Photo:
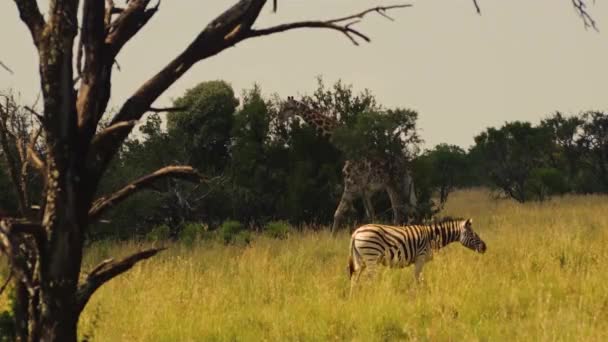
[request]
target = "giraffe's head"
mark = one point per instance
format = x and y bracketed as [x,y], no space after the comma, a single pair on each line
[290,108]
[469,238]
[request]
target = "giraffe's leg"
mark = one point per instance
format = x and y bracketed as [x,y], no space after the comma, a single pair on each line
[369,207]
[345,203]
[397,205]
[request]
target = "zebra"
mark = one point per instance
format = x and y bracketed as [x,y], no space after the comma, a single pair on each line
[399,247]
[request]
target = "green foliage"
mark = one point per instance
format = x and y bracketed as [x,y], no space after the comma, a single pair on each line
[594,140]
[511,153]
[546,181]
[159,233]
[232,231]
[263,168]
[204,127]
[378,134]
[341,100]
[441,169]
[278,229]
[192,232]
[8,328]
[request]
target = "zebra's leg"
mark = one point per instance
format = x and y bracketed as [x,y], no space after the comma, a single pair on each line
[369,207]
[354,279]
[420,260]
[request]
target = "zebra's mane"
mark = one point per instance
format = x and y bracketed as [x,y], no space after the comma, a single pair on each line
[445,219]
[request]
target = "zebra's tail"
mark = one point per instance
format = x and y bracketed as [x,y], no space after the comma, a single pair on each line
[351,266]
[351,257]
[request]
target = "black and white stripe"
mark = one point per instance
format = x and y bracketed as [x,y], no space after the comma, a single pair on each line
[392,246]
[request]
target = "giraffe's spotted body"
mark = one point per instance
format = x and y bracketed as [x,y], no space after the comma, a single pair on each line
[362,178]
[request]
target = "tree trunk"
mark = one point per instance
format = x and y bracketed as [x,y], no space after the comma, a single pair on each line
[59,325]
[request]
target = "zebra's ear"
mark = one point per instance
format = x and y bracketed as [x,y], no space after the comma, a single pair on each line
[469,222]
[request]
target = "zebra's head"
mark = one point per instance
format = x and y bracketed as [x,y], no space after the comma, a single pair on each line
[290,108]
[470,239]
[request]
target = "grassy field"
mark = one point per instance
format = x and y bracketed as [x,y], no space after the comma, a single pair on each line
[543,278]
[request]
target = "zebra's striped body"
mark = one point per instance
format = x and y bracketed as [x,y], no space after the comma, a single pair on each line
[374,244]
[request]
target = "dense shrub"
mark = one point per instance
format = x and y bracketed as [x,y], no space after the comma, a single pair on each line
[277,229]
[159,233]
[233,232]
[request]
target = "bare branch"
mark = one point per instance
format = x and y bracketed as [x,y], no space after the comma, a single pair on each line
[343,24]
[6,68]
[231,27]
[167,109]
[31,16]
[104,203]
[111,132]
[107,270]
[128,23]
[14,162]
[477,8]
[581,8]
[36,114]
[7,281]
[31,154]
[23,226]
[11,240]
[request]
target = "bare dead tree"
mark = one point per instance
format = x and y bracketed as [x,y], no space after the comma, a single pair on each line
[45,247]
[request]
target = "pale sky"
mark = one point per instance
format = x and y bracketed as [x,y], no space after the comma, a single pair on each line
[520,60]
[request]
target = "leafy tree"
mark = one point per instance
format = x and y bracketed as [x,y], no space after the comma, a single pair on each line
[205,124]
[446,168]
[511,154]
[566,154]
[379,134]
[341,101]
[594,140]
[250,175]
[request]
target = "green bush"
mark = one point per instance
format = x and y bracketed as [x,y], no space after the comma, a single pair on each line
[229,230]
[159,233]
[191,232]
[277,229]
[233,232]
[244,237]
[8,328]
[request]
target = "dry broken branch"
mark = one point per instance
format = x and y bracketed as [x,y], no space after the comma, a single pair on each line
[6,68]
[343,24]
[228,29]
[7,281]
[477,8]
[581,8]
[104,203]
[167,109]
[107,270]
[12,239]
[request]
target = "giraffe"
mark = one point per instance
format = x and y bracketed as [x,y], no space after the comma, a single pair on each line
[362,178]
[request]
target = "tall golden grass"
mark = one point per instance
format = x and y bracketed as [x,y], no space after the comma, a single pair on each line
[543,278]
